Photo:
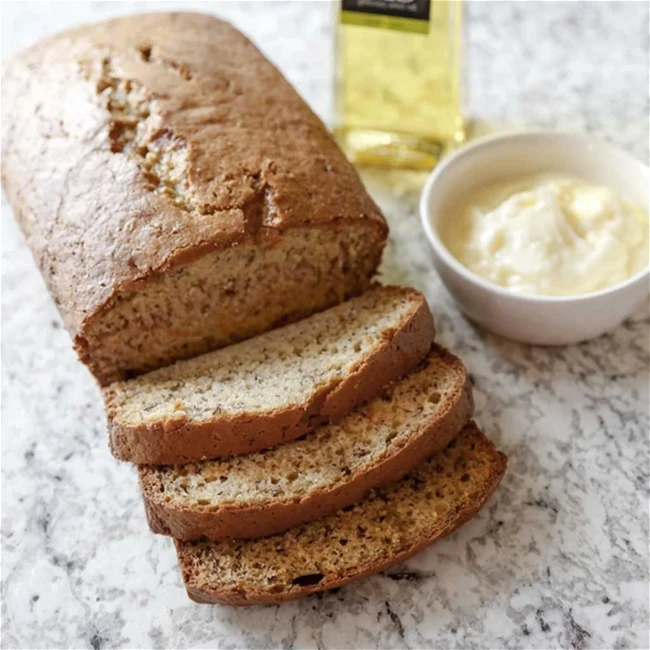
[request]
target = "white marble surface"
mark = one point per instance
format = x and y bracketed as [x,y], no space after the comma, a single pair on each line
[558,558]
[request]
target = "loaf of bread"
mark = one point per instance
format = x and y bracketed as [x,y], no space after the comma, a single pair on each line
[272,388]
[268,492]
[387,527]
[176,192]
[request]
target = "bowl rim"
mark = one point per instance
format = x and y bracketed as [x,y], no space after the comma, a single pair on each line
[585,139]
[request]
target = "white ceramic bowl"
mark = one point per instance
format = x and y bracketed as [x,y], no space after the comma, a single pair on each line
[541,320]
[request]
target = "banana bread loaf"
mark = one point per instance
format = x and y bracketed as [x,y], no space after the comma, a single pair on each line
[176,192]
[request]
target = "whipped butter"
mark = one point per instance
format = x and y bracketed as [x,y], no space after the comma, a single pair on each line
[549,235]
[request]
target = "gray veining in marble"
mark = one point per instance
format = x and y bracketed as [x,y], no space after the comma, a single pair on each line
[559,556]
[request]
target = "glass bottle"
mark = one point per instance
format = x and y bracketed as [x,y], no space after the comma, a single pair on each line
[397,94]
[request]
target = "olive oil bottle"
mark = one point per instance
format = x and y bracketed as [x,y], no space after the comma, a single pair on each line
[397,91]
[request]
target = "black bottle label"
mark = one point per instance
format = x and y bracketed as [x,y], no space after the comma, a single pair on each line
[404,15]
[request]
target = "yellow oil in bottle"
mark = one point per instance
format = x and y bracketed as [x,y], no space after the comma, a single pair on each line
[398,79]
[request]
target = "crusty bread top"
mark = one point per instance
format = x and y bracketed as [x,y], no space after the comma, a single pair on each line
[269,373]
[388,525]
[138,144]
[325,460]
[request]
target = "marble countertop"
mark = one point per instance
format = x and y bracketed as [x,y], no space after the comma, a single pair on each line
[559,556]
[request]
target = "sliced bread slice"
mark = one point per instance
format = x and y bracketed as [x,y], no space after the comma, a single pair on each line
[273,388]
[389,526]
[269,492]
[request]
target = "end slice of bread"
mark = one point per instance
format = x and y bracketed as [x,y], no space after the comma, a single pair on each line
[273,388]
[387,527]
[269,492]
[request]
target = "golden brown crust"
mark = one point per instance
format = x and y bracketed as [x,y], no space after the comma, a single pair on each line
[244,595]
[104,211]
[238,520]
[184,441]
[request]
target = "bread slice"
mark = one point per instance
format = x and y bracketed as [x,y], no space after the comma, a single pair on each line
[389,526]
[269,492]
[273,388]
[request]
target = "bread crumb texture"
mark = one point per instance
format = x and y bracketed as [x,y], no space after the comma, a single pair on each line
[332,455]
[228,296]
[285,367]
[389,524]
